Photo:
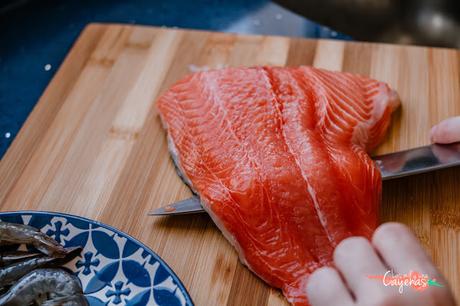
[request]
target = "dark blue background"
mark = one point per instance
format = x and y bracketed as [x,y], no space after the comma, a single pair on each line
[36,35]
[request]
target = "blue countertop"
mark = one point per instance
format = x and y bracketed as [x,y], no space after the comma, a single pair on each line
[36,35]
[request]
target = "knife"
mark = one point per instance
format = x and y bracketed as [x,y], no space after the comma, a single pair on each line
[392,165]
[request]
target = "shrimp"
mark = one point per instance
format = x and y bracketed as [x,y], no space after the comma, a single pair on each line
[43,285]
[7,258]
[24,234]
[75,300]
[10,274]
[15,271]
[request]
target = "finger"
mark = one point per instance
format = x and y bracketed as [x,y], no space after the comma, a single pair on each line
[325,287]
[446,131]
[357,260]
[401,250]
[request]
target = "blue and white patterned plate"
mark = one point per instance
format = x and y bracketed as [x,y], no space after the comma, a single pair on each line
[115,269]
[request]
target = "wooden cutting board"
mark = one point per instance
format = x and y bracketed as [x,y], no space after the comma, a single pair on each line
[94,146]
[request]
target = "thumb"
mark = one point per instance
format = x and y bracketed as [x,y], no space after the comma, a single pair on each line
[447,131]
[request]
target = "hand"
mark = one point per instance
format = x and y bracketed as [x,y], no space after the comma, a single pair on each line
[393,247]
[447,131]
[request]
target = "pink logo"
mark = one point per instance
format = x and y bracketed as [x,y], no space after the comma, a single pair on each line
[413,279]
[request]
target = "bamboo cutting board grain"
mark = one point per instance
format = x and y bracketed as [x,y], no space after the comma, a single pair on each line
[94,146]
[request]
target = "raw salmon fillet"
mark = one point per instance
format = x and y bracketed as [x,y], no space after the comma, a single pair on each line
[278,159]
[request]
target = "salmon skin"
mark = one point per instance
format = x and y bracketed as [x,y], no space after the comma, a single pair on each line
[278,157]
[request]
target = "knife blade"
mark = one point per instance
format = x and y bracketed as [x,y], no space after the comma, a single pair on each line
[393,165]
[191,205]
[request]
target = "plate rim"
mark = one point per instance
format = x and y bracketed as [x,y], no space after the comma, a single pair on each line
[188,298]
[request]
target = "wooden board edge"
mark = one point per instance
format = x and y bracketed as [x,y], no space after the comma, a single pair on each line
[351,42]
